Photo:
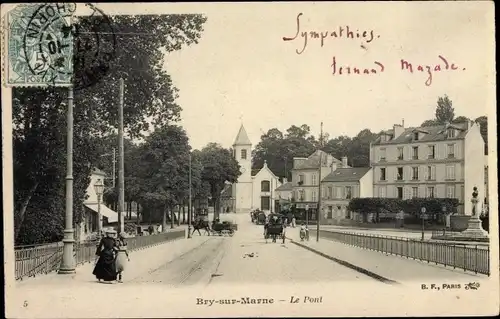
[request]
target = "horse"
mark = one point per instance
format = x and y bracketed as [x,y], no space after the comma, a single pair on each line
[201,224]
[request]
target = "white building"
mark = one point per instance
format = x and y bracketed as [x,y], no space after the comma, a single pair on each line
[254,188]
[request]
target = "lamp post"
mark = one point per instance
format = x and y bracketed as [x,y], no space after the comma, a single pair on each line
[423,210]
[190,199]
[68,263]
[99,190]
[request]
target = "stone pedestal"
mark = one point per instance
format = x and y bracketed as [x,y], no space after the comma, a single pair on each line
[474,226]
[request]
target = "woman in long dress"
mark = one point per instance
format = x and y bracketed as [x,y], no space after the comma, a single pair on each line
[122,255]
[105,268]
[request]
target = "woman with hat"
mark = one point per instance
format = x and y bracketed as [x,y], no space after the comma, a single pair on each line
[105,268]
[122,253]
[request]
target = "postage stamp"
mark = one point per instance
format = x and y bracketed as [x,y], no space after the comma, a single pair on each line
[49,46]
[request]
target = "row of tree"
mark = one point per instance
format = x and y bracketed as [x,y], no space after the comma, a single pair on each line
[279,149]
[39,122]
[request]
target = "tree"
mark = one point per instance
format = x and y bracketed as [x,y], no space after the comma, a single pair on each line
[444,110]
[461,119]
[483,126]
[429,123]
[40,125]
[219,166]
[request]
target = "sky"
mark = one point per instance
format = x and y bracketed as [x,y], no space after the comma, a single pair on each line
[242,72]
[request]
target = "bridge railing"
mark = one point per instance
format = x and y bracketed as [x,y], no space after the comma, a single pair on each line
[41,259]
[471,257]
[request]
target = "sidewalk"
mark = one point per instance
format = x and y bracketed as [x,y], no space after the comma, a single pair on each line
[141,262]
[395,268]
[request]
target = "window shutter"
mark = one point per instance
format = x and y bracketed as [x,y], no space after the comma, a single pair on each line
[421,173]
[433,172]
[458,150]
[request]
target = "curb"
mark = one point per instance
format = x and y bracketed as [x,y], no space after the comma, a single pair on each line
[347,264]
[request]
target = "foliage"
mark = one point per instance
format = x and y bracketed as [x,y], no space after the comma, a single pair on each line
[394,205]
[39,123]
[444,110]
[219,167]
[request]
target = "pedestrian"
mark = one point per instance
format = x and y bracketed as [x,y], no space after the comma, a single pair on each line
[151,229]
[105,267]
[159,228]
[293,221]
[122,253]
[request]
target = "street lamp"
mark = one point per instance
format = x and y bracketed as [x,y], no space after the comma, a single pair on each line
[423,210]
[99,190]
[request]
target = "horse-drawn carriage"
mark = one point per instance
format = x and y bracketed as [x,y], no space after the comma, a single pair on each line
[275,228]
[258,217]
[223,228]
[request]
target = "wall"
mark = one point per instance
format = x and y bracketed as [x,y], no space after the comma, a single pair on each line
[243,195]
[473,167]
[366,185]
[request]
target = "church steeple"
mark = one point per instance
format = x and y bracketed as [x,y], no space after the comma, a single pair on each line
[242,137]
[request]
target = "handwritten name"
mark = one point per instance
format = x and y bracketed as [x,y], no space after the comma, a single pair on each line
[340,32]
[441,65]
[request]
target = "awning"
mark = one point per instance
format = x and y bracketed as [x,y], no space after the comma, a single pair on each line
[111,215]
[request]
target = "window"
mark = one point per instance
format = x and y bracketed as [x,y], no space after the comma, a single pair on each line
[429,173]
[381,192]
[382,154]
[265,186]
[414,173]
[450,191]
[400,153]
[451,150]
[323,192]
[314,179]
[451,133]
[348,190]
[415,136]
[314,196]
[243,154]
[414,192]
[450,172]
[382,174]
[400,174]
[415,152]
[430,192]
[330,192]
[330,212]
[301,195]
[301,179]
[400,192]
[339,192]
[432,152]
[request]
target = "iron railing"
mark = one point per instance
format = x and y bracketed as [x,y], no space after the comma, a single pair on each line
[42,259]
[470,257]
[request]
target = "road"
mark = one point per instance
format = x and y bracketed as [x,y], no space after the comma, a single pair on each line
[246,257]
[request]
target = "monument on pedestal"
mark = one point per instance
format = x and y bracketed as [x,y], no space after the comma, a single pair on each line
[475,229]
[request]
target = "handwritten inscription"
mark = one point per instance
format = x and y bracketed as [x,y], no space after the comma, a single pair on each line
[345,32]
[343,68]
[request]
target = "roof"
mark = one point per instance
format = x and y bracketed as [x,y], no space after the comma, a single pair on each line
[255,171]
[285,187]
[97,171]
[227,191]
[312,162]
[242,137]
[430,134]
[351,174]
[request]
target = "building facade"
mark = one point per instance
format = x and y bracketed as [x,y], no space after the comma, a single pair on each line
[284,194]
[442,161]
[255,187]
[337,190]
[306,179]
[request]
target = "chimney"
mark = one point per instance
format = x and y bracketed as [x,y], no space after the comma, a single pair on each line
[334,166]
[344,161]
[285,180]
[398,130]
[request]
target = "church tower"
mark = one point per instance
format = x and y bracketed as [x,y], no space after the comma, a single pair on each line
[242,190]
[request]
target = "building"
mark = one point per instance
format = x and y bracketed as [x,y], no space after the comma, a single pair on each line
[442,161]
[284,194]
[90,219]
[339,187]
[305,179]
[254,188]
